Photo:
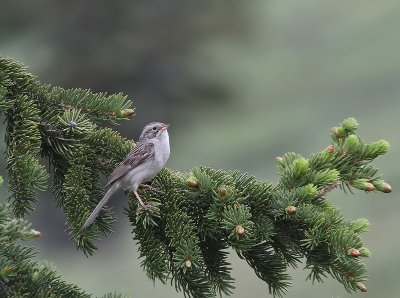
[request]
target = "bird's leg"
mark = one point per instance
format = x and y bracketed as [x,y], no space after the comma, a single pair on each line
[139,199]
[150,188]
[145,207]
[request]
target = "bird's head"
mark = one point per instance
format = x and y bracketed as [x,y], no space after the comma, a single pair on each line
[153,130]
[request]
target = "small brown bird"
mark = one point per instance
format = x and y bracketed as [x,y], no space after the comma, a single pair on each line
[142,164]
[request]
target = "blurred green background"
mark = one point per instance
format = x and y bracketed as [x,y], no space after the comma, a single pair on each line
[241,82]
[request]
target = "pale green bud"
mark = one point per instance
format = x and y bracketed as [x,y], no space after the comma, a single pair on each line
[300,167]
[381,147]
[382,186]
[352,143]
[372,150]
[335,133]
[360,225]
[363,184]
[308,191]
[35,276]
[341,132]
[365,252]
[331,176]
[350,125]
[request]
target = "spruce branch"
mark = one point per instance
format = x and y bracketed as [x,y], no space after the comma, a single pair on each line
[201,214]
[126,112]
[20,274]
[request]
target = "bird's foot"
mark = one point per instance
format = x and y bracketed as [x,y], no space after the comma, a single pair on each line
[146,207]
[145,186]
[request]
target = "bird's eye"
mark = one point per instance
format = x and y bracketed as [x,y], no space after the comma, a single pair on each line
[154,128]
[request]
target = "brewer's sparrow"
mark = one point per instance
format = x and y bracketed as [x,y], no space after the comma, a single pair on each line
[142,164]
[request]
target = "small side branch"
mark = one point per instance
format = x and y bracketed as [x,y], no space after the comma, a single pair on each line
[326,189]
[349,277]
[359,285]
[127,112]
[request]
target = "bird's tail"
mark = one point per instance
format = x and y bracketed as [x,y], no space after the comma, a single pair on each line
[100,205]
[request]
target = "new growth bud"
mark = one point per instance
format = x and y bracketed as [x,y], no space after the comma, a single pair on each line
[35,276]
[300,167]
[239,230]
[290,210]
[335,132]
[128,112]
[341,131]
[192,183]
[373,150]
[382,186]
[352,144]
[387,188]
[5,271]
[30,234]
[308,191]
[330,149]
[365,252]
[350,125]
[328,177]
[369,186]
[278,158]
[360,225]
[36,233]
[361,287]
[188,263]
[363,184]
[354,252]
[382,147]
[222,192]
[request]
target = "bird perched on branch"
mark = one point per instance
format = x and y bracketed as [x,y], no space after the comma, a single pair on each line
[142,164]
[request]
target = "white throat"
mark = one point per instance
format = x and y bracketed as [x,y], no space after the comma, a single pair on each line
[162,147]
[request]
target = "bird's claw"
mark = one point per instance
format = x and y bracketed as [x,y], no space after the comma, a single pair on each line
[153,189]
[146,207]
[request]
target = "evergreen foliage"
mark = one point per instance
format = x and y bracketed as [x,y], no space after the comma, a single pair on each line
[20,275]
[202,213]
[63,127]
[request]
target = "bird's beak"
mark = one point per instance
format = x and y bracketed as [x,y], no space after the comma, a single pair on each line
[165,126]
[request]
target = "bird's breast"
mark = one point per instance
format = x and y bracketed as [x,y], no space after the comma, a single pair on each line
[162,150]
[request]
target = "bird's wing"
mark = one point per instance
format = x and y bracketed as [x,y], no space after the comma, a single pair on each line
[139,154]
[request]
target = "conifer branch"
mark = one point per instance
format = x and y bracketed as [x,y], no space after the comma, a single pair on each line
[20,274]
[126,112]
[201,213]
